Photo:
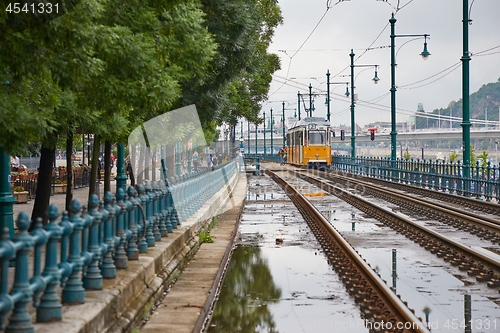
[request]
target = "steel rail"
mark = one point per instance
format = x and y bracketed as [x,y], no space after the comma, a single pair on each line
[481,265]
[484,206]
[355,271]
[443,210]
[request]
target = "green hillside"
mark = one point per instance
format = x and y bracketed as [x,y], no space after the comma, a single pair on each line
[484,104]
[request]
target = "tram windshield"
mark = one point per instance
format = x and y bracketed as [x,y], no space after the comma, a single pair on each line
[317,138]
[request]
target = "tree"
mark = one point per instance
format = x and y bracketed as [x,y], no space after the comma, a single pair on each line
[454,156]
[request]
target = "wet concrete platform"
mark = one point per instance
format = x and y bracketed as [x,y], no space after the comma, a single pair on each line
[186,305]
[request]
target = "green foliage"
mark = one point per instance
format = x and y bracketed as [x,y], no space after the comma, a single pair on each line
[483,157]
[205,237]
[406,156]
[106,69]
[485,100]
[454,156]
[472,156]
[18,189]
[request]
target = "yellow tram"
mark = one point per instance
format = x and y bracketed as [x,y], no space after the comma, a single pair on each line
[309,143]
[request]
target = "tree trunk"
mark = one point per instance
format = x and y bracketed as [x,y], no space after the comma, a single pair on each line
[107,166]
[93,165]
[42,198]
[69,170]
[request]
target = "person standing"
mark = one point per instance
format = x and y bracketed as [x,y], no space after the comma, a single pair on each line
[15,163]
[281,155]
[195,161]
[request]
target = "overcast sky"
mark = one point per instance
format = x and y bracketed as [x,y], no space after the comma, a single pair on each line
[363,24]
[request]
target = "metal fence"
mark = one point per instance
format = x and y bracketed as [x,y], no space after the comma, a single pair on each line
[483,181]
[81,178]
[93,243]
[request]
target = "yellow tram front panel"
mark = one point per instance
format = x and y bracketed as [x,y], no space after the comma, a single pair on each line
[317,155]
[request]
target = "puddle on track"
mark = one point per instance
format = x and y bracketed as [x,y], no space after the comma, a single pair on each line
[281,287]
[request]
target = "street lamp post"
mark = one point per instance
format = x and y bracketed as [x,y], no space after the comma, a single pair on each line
[256,127]
[264,133]
[353,124]
[283,123]
[328,93]
[6,198]
[298,102]
[272,144]
[310,101]
[465,95]
[248,136]
[425,54]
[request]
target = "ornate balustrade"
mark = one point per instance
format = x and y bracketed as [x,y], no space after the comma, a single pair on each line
[90,243]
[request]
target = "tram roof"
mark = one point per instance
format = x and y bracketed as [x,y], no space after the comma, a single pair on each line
[311,120]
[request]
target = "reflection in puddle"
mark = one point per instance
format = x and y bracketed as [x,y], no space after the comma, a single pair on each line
[285,285]
[248,290]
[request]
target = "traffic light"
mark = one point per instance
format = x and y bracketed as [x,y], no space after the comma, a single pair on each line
[342,135]
[372,134]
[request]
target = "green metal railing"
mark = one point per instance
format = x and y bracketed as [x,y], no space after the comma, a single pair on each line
[483,181]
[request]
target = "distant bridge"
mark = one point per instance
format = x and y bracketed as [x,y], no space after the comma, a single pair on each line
[455,134]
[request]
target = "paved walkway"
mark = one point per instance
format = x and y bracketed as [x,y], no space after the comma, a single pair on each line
[187,303]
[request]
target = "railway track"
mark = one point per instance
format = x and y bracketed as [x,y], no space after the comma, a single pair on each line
[483,227]
[458,201]
[376,300]
[483,267]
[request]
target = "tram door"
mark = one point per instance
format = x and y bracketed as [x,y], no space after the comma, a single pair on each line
[302,147]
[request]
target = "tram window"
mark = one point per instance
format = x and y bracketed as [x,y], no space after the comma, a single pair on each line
[317,137]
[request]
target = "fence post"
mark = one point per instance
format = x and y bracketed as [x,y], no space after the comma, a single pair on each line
[131,203]
[141,219]
[74,293]
[150,220]
[93,279]
[20,320]
[50,308]
[108,268]
[121,260]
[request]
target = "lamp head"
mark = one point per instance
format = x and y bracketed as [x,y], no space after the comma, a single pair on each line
[425,54]
[375,78]
[347,91]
